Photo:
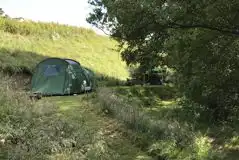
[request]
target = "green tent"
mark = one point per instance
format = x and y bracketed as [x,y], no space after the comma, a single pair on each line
[56,76]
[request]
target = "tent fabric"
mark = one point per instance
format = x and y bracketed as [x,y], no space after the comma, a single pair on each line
[55,76]
[51,70]
[71,61]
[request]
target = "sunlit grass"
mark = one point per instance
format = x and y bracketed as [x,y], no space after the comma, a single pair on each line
[233,143]
[96,52]
[107,140]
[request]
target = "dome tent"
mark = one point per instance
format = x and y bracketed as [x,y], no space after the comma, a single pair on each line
[56,76]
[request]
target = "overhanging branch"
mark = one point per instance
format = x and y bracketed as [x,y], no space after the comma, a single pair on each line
[227,31]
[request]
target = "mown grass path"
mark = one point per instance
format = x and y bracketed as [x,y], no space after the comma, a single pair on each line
[102,132]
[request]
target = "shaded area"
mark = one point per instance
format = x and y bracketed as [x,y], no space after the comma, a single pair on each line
[20,64]
[104,80]
[148,95]
[15,61]
[224,137]
[168,130]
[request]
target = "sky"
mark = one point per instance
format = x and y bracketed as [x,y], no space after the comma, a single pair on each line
[71,12]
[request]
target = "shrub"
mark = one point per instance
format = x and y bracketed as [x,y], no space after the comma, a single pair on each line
[162,92]
[207,71]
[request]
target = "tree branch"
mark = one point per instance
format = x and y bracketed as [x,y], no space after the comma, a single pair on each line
[101,28]
[111,35]
[227,31]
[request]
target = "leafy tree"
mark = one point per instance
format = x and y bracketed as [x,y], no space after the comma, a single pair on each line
[198,39]
[1,12]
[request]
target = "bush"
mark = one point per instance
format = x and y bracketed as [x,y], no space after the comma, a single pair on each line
[156,76]
[108,81]
[208,71]
[162,92]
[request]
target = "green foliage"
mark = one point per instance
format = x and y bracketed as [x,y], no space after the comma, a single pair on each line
[155,76]
[1,12]
[109,81]
[162,92]
[163,135]
[208,73]
[198,39]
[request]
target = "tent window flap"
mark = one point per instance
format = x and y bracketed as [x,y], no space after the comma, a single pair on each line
[51,70]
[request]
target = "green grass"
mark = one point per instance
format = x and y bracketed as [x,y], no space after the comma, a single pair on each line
[104,131]
[58,128]
[165,128]
[21,52]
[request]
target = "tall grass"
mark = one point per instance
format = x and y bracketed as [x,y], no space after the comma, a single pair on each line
[29,130]
[162,137]
[37,130]
[27,28]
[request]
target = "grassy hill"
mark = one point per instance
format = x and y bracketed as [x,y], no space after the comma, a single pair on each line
[24,44]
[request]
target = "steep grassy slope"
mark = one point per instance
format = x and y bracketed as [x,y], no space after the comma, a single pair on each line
[23,45]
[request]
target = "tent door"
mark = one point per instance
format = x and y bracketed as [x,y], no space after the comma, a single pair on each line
[52,80]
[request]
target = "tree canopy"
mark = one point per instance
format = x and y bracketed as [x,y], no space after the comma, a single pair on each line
[1,12]
[198,39]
